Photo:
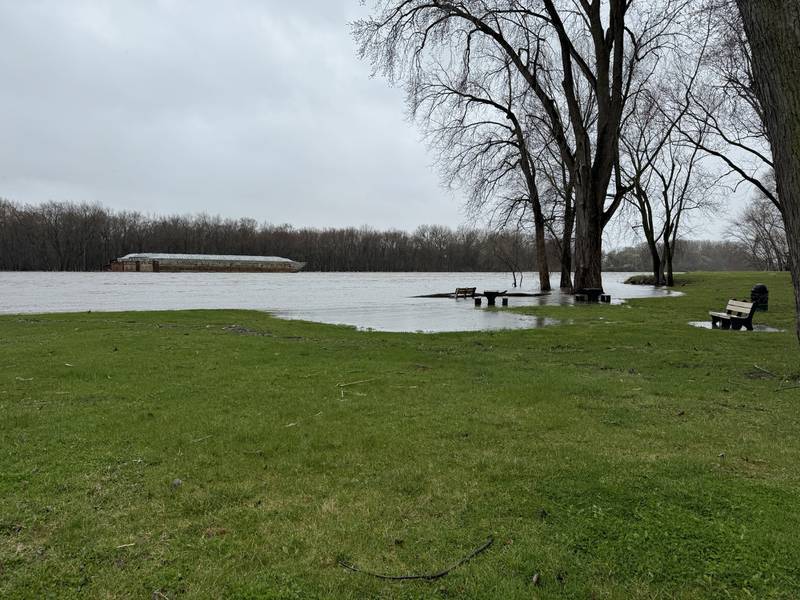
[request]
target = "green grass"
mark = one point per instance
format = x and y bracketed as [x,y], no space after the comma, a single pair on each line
[622,455]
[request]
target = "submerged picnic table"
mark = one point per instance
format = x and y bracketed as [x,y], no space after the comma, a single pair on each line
[491,296]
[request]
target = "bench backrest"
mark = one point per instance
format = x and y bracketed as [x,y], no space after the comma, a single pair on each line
[465,292]
[738,308]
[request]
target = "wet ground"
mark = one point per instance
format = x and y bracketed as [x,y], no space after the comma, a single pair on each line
[756,327]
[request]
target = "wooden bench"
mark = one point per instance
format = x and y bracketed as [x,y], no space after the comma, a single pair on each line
[465,293]
[737,313]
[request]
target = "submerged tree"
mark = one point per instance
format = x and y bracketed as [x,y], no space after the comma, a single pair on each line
[565,52]
[474,124]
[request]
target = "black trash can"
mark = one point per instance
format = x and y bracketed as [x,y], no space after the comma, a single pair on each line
[759,295]
[592,294]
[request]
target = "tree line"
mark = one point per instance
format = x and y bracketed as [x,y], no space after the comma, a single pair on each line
[689,255]
[62,236]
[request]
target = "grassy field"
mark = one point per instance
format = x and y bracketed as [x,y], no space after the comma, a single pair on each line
[622,455]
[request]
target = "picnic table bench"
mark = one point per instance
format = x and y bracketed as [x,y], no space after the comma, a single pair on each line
[465,292]
[737,313]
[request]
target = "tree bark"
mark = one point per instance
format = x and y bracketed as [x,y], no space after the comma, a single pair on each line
[658,271]
[773,30]
[588,240]
[669,250]
[541,250]
[566,247]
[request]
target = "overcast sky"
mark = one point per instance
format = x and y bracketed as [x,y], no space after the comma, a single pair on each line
[256,108]
[244,108]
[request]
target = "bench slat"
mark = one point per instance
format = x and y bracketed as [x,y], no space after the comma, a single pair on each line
[741,306]
[464,292]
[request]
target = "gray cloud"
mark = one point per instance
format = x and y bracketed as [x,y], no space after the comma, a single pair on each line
[245,108]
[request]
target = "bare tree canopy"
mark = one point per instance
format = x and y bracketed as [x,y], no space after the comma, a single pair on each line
[759,227]
[476,128]
[579,62]
[666,174]
[723,115]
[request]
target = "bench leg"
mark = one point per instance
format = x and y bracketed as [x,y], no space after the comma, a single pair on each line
[749,326]
[714,323]
[726,324]
[736,326]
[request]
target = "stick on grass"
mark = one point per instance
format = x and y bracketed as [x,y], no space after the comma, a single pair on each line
[427,577]
[341,385]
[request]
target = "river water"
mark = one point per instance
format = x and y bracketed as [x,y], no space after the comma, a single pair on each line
[379,301]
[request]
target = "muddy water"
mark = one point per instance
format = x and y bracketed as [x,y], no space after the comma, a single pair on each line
[380,301]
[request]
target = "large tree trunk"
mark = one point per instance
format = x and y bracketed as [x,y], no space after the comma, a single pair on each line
[566,247]
[669,251]
[773,30]
[588,240]
[658,271]
[529,171]
[541,251]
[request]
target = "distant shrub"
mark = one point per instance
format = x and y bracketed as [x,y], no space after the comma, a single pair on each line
[641,280]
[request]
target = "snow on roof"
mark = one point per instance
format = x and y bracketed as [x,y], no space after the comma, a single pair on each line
[203,257]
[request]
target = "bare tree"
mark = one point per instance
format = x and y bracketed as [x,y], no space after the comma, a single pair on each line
[509,249]
[558,202]
[588,48]
[759,227]
[772,28]
[474,125]
[724,117]
[666,176]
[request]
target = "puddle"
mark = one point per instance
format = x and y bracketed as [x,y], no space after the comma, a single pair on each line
[756,328]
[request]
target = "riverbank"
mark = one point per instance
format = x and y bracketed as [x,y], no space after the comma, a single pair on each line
[228,453]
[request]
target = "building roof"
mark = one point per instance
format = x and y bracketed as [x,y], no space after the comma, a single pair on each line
[202,257]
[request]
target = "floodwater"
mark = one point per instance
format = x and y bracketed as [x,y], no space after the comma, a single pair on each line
[379,301]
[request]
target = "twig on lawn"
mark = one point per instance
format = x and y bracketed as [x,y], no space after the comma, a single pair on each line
[427,577]
[201,439]
[126,545]
[341,385]
[770,373]
[788,387]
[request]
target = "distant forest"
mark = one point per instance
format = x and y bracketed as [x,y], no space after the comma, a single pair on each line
[59,236]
